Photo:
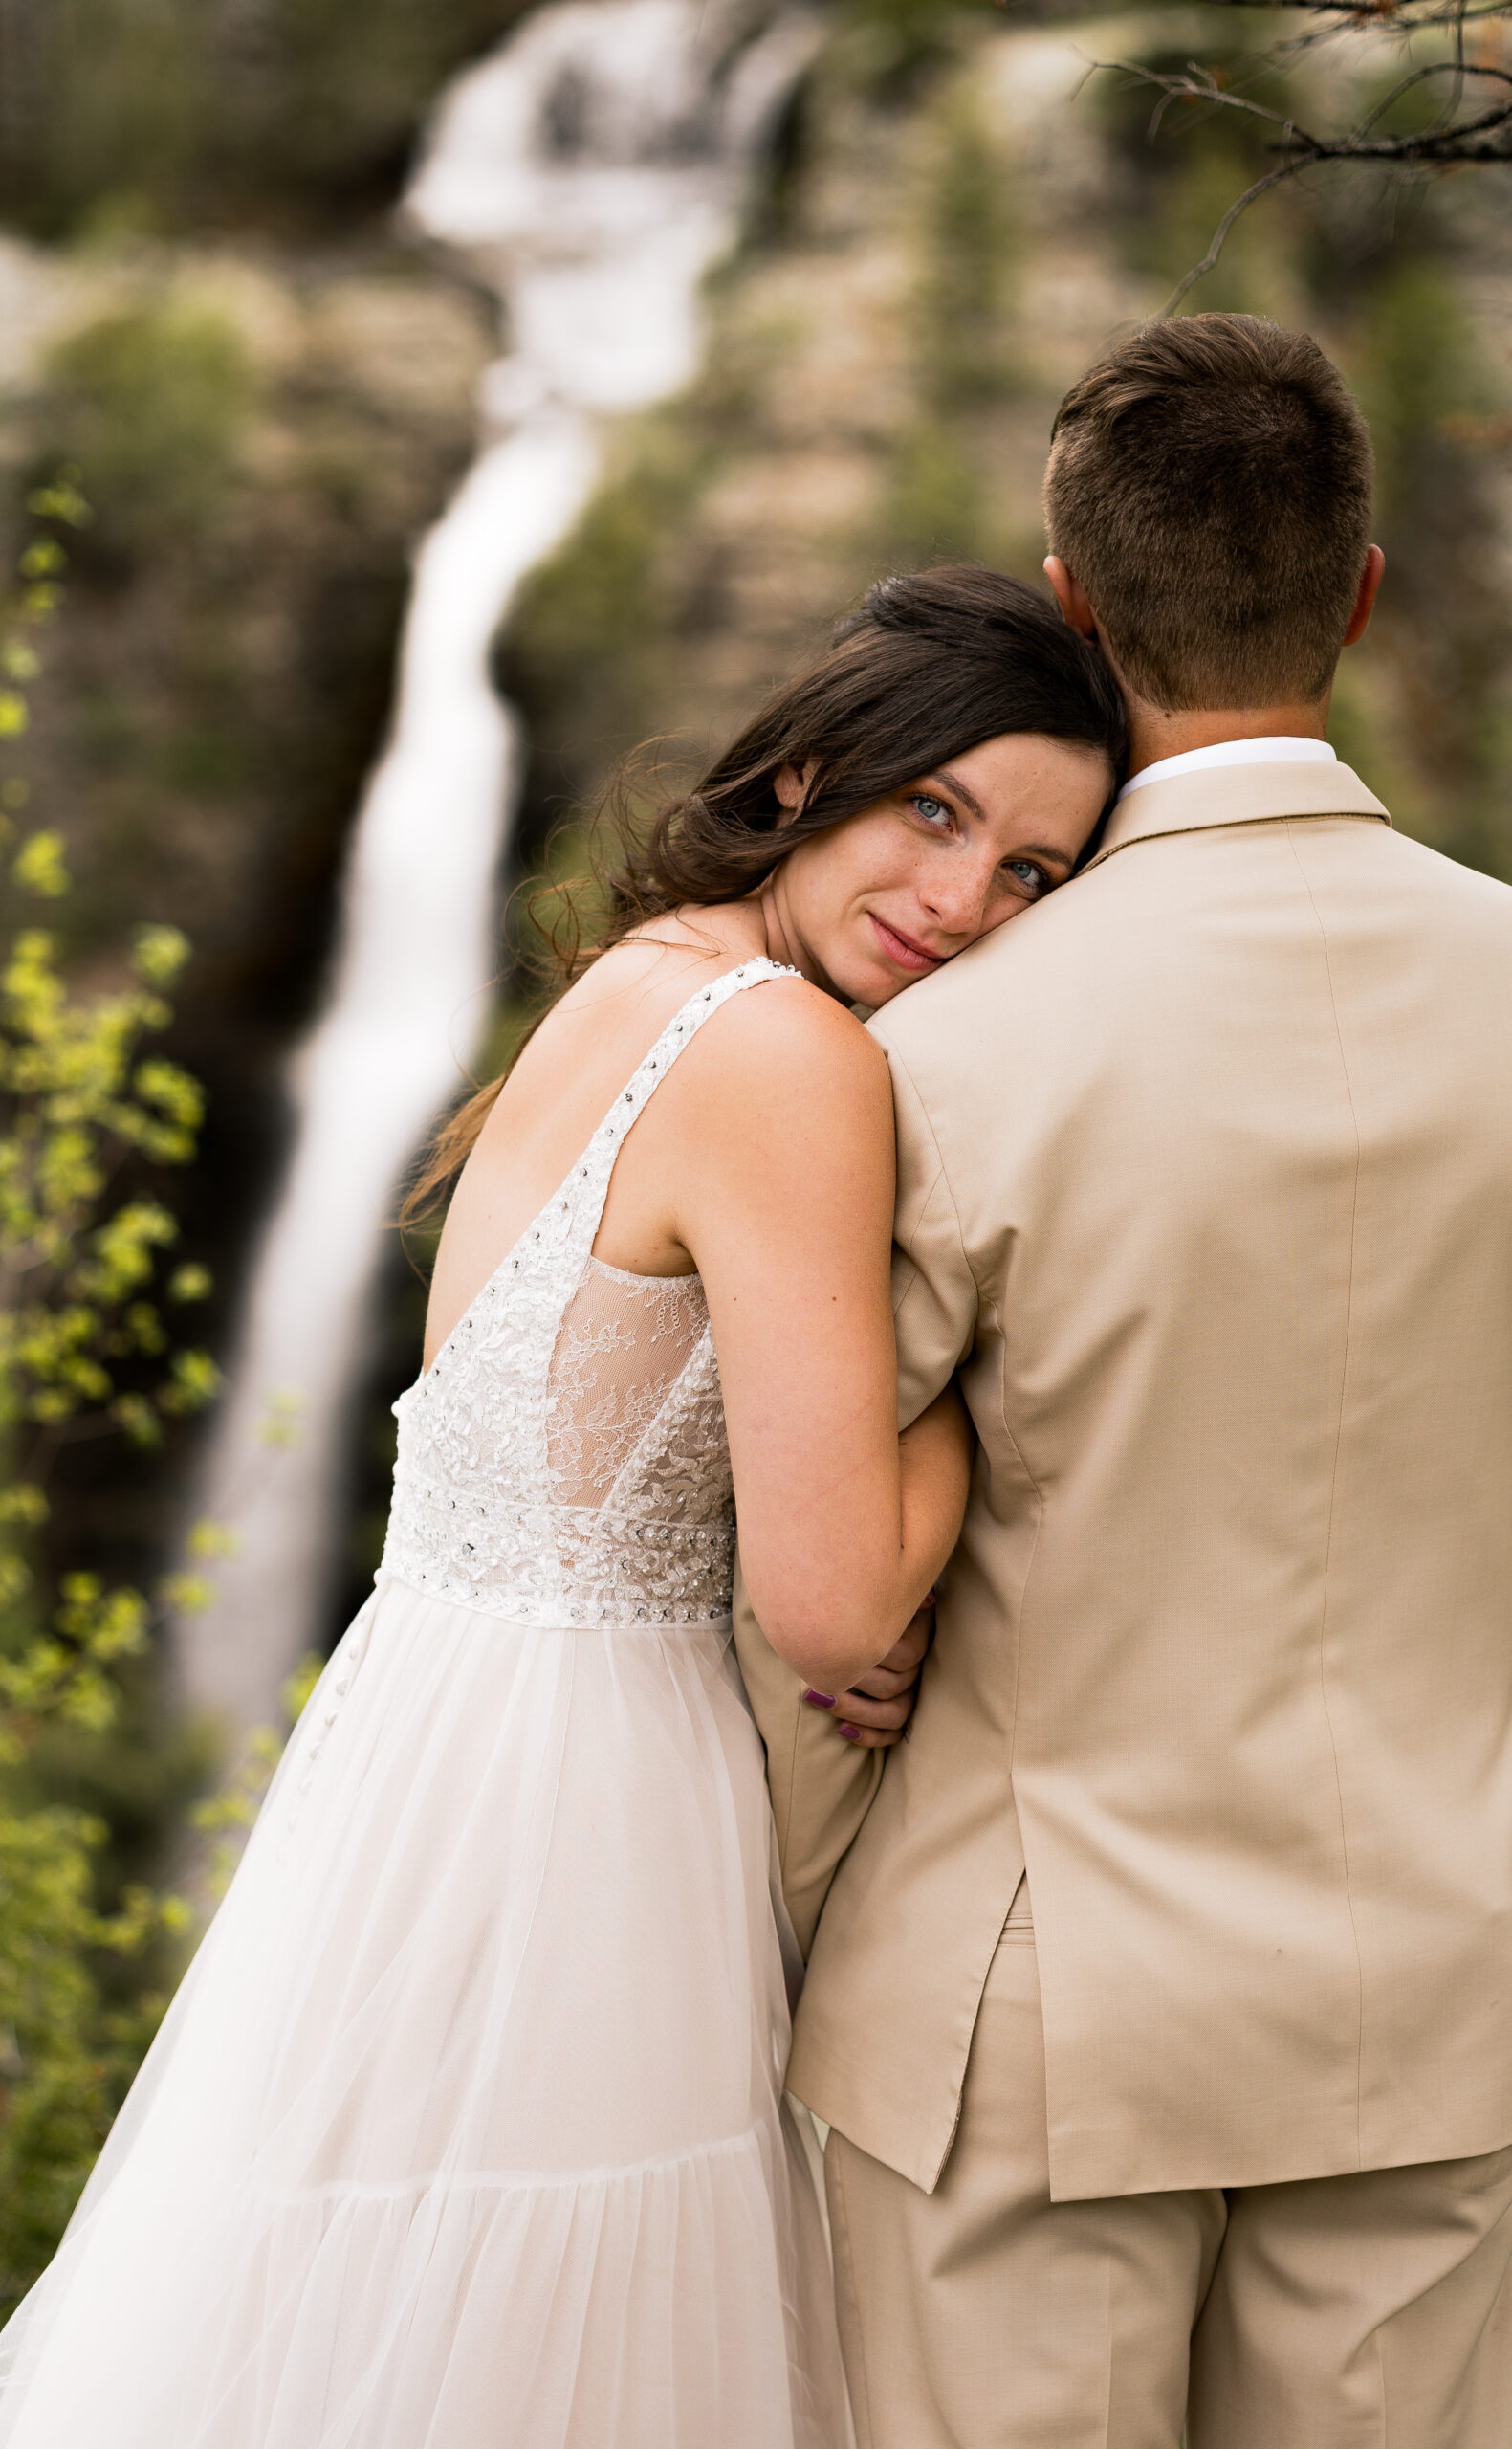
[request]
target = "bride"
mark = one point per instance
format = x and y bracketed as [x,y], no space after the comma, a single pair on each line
[466,2127]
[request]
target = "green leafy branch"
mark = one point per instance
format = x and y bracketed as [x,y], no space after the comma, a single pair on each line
[88,1290]
[86,1348]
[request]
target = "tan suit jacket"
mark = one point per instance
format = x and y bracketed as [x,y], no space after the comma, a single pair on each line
[1205,1184]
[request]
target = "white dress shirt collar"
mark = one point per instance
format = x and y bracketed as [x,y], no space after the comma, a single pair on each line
[1280,749]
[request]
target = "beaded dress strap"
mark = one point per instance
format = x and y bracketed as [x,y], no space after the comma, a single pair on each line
[590,1183]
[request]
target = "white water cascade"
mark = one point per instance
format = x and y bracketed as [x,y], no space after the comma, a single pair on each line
[592,170]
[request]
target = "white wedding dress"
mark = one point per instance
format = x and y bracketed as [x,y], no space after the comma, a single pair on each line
[465,2129]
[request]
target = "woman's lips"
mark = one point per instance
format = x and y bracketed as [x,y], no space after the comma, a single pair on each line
[902,949]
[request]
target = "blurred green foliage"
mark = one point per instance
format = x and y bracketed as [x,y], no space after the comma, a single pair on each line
[968,245]
[155,400]
[1430,390]
[65,2059]
[164,114]
[888,46]
[965,344]
[591,630]
[936,506]
[87,1115]
[1418,361]
[225,674]
[590,613]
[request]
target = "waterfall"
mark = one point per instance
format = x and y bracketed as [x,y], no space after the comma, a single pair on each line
[592,170]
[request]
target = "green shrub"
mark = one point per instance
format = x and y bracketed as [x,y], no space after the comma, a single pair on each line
[886,46]
[87,1349]
[164,114]
[154,400]
[1437,410]
[1419,372]
[935,504]
[968,250]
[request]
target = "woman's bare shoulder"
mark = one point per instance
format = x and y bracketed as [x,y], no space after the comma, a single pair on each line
[785,1044]
[783,1030]
[784,1135]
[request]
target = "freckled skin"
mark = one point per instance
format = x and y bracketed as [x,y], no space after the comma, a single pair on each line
[882,900]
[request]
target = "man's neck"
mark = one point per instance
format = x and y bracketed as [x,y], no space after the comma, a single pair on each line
[1153,733]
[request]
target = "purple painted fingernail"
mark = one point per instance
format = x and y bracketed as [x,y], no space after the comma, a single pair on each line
[820,1700]
[851,1733]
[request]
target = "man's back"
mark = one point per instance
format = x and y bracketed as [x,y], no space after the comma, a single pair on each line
[1205,1168]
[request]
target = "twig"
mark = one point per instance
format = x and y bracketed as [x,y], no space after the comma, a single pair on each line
[1241,203]
[1448,141]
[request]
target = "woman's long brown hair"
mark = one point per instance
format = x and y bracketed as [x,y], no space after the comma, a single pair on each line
[930,665]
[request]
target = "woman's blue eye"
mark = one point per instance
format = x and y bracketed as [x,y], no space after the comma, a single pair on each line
[1029,874]
[930,810]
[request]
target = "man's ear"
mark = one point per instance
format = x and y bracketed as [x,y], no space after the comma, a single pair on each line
[1071,596]
[1365,601]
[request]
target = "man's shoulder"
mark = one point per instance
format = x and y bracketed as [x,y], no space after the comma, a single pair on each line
[1022,968]
[1173,920]
[1473,888]
[1403,907]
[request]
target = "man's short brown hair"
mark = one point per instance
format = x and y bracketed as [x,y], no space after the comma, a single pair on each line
[1210,484]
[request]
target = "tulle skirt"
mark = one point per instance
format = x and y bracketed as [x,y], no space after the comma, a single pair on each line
[465,2129]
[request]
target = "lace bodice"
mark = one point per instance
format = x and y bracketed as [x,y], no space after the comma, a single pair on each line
[563,1459]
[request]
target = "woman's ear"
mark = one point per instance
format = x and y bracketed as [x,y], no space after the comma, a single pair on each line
[792,787]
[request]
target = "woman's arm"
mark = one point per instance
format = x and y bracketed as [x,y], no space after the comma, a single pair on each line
[874,1711]
[785,1204]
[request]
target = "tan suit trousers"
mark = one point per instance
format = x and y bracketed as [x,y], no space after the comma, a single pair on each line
[1366,2312]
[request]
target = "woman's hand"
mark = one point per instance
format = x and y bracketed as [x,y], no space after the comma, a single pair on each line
[874,1713]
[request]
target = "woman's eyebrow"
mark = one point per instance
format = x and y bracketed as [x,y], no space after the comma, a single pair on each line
[952,784]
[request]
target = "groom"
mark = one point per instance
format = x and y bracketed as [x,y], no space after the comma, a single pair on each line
[1161,2006]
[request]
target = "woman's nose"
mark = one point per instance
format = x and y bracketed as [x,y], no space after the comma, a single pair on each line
[955,895]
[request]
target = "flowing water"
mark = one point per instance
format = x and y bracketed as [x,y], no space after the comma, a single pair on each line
[592,171]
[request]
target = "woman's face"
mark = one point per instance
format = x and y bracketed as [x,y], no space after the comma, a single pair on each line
[894,892]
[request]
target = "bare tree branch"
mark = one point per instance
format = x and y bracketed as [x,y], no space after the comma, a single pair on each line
[1472,125]
[1240,204]
[1381,16]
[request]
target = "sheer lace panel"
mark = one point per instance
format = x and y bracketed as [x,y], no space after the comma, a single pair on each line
[623,1342]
